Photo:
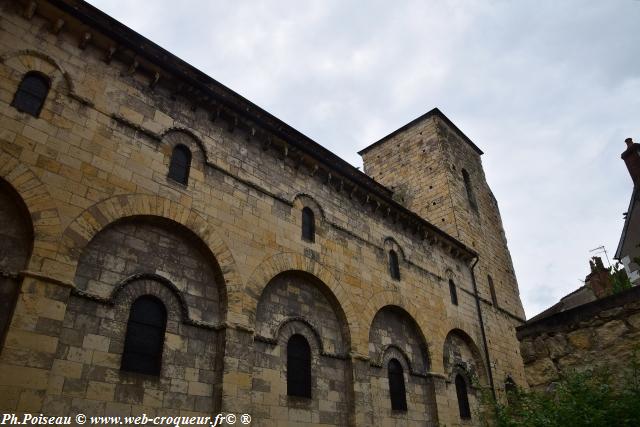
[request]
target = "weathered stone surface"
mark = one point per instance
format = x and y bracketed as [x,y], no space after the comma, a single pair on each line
[604,337]
[527,350]
[610,332]
[557,345]
[634,320]
[581,339]
[542,371]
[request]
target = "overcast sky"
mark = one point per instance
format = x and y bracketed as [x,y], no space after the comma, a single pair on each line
[548,90]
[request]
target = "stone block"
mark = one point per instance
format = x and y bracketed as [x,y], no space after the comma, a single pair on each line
[199,389]
[31,341]
[580,339]
[101,391]
[23,377]
[31,401]
[610,332]
[109,360]
[96,342]
[129,393]
[542,371]
[67,368]
[153,398]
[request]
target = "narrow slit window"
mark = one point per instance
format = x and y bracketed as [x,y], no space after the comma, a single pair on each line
[397,390]
[463,398]
[308,225]
[394,266]
[453,292]
[180,164]
[31,94]
[492,290]
[467,185]
[298,367]
[144,339]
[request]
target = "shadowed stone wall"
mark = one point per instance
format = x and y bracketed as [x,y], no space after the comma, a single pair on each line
[297,303]
[149,245]
[462,357]
[16,234]
[394,335]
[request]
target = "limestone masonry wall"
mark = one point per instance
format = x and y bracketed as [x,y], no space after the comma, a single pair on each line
[601,334]
[90,221]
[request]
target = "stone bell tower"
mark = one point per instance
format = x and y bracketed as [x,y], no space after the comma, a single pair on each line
[436,171]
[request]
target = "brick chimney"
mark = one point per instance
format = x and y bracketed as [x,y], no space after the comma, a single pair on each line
[631,157]
[599,280]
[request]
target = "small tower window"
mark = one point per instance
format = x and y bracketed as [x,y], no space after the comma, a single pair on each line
[394,266]
[145,336]
[180,164]
[492,290]
[397,391]
[31,93]
[467,185]
[308,225]
[453,292]
[298,367]
[463,398]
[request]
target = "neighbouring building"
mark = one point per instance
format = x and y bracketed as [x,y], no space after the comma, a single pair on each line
[168,247]
[596,325]
[628,251]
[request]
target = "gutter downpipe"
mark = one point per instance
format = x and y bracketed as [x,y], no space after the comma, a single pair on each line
[484,335]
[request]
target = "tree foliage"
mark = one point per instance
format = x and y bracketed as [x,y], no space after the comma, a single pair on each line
[620,280]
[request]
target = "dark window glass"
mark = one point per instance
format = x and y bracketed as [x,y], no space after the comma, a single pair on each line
[298,367]
[467,185]
[492,289]
[308,225]
[463,397]
[396,386]
[145,336]
[180,164]
[31,93]
[453,292]
[394,266]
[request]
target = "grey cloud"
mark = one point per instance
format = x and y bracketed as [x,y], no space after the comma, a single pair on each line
[548,89]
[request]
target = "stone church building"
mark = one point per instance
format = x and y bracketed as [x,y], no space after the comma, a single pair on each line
[168,247]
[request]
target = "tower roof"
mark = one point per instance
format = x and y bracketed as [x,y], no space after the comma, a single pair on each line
[412,123]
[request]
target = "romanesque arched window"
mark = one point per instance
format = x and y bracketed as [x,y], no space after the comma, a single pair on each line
[394,266]
[463,397]
[467,185]
[453,292]
[397,390]
[298,367]
[308,225]
[492,290]
[180,164]
[31,93]
[145,336]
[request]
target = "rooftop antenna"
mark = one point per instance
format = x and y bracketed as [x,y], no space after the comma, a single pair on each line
[602,250]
